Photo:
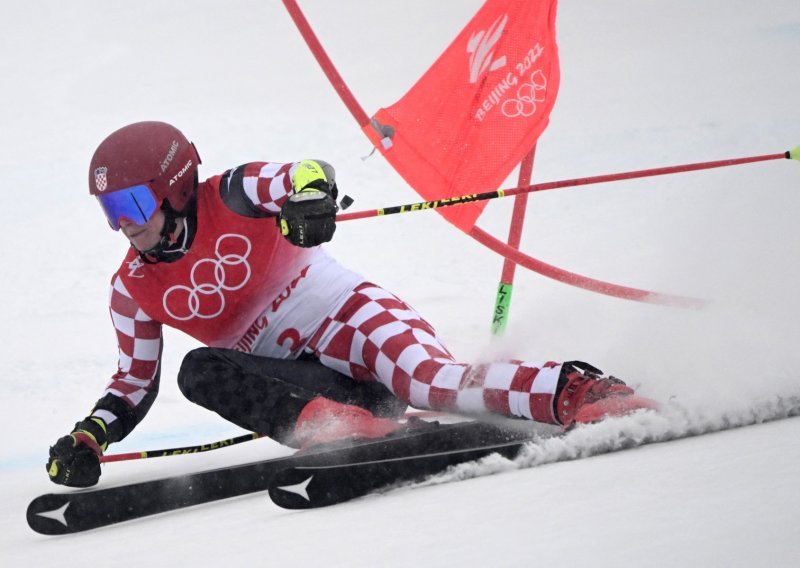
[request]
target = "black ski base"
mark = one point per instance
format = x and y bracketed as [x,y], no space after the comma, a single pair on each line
[63,513]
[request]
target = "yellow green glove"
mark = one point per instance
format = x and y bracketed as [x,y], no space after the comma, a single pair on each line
[308,216]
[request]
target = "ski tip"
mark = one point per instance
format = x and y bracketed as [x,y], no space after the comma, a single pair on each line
[794,154]
[47,514]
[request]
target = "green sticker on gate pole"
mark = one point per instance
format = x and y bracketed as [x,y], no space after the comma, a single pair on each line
[502,304]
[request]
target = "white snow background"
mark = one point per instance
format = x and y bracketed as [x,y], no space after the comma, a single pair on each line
[644,84]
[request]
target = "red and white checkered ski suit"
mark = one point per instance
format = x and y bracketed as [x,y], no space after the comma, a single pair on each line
[225,294]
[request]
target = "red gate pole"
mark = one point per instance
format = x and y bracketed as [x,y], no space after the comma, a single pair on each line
[502,303]
[483,237]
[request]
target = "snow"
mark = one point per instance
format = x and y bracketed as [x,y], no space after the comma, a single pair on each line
[645,84]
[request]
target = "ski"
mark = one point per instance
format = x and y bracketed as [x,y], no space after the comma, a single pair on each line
[70,512]
[312,486]
[308,486]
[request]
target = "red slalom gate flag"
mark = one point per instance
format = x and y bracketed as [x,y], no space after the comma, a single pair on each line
[479,109]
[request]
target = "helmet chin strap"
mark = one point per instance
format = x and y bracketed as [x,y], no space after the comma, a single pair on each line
[175,227]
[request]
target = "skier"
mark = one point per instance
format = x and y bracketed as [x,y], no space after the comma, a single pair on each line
[299,347]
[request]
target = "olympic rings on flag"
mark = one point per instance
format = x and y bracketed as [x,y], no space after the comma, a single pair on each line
[528,94]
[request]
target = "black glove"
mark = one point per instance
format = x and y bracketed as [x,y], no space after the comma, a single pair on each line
[75,458]
[308,217]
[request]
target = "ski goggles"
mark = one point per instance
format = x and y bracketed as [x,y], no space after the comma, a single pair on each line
[136,204]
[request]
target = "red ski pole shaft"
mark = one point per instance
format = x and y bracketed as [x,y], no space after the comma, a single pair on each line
[461,199]
[180,451]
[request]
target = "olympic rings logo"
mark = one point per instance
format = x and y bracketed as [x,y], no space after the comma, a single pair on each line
[228,271]
[528,94]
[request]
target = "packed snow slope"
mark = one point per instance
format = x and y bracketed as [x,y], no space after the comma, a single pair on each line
[644,84]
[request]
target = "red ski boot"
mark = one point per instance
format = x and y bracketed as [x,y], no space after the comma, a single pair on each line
[323,421]
[586,396]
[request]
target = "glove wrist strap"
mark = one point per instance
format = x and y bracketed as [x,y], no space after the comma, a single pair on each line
[92,432]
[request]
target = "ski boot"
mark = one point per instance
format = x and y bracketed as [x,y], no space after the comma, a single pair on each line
[584,396]
[323,421]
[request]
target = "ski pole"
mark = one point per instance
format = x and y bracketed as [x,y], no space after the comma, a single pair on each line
[181,451]
[793,154]
[211,446]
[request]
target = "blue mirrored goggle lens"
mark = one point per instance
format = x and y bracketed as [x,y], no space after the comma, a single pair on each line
[137,204]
